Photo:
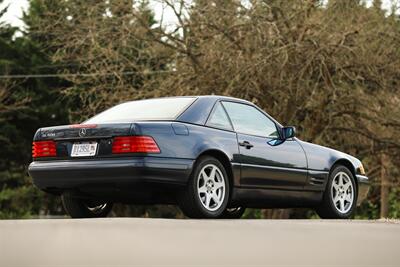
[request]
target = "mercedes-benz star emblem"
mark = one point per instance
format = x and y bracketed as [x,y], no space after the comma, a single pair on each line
[82,132]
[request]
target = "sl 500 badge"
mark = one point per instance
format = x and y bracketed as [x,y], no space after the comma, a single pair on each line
[48,134]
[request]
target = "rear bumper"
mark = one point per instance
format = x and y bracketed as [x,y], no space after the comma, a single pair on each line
[67,174]
[363,188]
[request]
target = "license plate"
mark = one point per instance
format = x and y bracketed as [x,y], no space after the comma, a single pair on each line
[84,149]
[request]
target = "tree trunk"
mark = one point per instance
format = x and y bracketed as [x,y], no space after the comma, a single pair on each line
[384,187]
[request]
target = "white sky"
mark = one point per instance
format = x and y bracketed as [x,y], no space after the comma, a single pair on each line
[16,7]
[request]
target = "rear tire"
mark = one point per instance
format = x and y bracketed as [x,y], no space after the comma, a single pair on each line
[233,213]
[83,208]
[207,192]
[340,196]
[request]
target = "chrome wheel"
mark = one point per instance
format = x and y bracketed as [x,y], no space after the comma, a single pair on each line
[342,192]
[211,187]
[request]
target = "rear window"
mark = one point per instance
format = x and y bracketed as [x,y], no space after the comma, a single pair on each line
[151,109]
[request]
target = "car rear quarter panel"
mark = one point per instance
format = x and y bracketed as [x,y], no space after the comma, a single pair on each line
[175,142]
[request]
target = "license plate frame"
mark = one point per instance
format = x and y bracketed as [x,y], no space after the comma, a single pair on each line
[84,149]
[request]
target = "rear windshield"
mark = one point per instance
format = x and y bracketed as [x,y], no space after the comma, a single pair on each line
[151,109]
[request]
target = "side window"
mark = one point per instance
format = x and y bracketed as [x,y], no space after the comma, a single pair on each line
[249,120]
[219,119]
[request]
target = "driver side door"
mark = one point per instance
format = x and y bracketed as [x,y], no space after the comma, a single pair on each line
[264,163]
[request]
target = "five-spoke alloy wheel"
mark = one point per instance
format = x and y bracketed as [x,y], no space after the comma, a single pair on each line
[207,192]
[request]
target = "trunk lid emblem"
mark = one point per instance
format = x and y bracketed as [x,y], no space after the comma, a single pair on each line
[82,132]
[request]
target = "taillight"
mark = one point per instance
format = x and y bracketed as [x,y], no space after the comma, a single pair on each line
[44,149]
[134,144]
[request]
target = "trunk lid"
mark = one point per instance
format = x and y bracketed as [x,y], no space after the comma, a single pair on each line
[66,136]
[84,131]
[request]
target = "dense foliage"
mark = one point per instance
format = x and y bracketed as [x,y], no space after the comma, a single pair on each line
[331,69]
[25,104]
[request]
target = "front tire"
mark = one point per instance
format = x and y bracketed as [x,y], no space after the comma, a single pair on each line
[207,192]
[84,208]
[340,196]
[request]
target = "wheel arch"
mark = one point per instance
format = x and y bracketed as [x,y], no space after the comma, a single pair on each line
[224,159]
[349,165]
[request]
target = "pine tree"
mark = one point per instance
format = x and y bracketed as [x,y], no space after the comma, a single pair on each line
[25,105]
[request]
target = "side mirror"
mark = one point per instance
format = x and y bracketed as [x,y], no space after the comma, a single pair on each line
[288,132]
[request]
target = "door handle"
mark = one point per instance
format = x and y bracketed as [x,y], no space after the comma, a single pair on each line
[246,144]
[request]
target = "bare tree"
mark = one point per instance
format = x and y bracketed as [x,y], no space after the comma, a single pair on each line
[334,71]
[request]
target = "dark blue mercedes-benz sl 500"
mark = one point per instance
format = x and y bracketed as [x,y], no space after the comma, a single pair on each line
[214,156]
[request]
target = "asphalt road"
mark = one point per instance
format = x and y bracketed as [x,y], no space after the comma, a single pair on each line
[154,242]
